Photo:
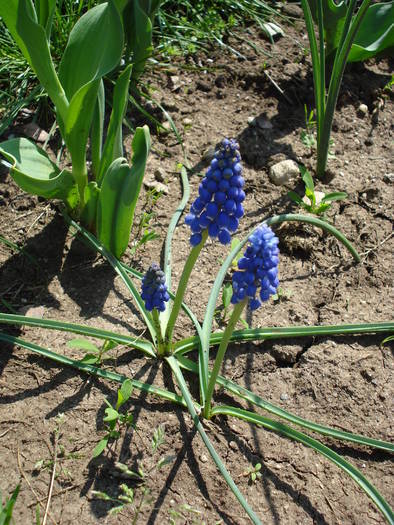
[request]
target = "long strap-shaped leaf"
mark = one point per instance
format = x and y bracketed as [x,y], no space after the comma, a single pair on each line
[52,324]
[208,319]
[93,370]
[335,458]
[258,401]
[258,334]
[117,266]
[192,410]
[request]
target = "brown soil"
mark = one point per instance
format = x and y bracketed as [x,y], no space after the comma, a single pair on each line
[344,382]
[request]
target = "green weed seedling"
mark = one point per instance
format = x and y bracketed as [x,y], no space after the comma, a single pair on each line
[254,473]
[114,419]
[308,134]
[7,507]
[310,203]
[93,355]
[125,501]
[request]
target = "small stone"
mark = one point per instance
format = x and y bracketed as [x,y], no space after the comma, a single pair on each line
[159,174]
[32,311]
[187,121]
[292,10]
[175,83]
[362,110]
[167,126]
[203,458]
[233,445]
[284,396]
[389,177]
[155,185]
[282,172]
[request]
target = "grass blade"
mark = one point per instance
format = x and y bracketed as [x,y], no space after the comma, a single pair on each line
[134,342]
[335,458]
[93,370]
[256,400]
[192,409]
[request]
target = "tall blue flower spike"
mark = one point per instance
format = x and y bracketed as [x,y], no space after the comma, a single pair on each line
[154,289]
[258,275]
[218,207]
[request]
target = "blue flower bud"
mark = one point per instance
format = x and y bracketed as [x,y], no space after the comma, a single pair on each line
[154,290]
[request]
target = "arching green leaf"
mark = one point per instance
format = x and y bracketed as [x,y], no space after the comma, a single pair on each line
[35,173]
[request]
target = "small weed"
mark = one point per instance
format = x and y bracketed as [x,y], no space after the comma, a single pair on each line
[310,202]
[6,508]
[308,134]
[94,355]
[114,419]
[253,473]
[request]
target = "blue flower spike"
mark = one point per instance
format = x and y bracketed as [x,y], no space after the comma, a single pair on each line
[154,289]
[218,206]
[257,278]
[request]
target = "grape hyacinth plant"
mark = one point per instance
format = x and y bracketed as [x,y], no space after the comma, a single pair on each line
[216,214]
[218,208]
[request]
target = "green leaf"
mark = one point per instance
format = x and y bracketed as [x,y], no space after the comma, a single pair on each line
[35,173]
[294,197]
[96,132]
[227,294]
[307,178]
[83,344]
[375,34]
[87,58]
[124,393]
[334,196]
[6,511]
[21,20]
[100,447]
[91,195]
[111,415]
[119,194]
[332,456]
[113,147]
[138,33]
[334,15]
[90,359]
[45,10]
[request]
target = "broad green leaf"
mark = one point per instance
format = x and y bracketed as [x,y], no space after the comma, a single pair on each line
[113,147]
[35,173]
[100,447]
[83,344]
[124,393]
[138,33]
[334,15]
[334,196]
[94,48]
[150,7]
[90,359]
[96,132]
[307,178]
[119,193]
[45,10]
[375,34]
[21,20]
[88,216]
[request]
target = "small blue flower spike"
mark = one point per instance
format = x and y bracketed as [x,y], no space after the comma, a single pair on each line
[154,289]
[258,275]
[218,206]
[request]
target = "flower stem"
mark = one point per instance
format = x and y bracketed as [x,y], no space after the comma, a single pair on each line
[159,335]
[187,269]
[236,314]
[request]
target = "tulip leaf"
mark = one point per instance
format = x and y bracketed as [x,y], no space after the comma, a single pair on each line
[88,216]
[35,173]
[96,132]
[119,193]
[85,58]
[376,32]
[20,18]
[113,147]
[45,10]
